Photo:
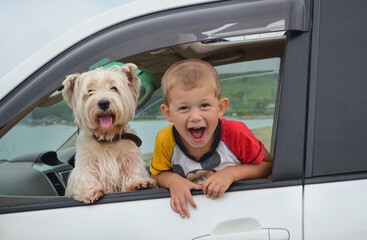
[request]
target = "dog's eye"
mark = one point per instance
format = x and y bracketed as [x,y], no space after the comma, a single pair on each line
[90,92]
[114,89]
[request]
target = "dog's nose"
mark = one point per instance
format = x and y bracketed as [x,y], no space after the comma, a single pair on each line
[104,104]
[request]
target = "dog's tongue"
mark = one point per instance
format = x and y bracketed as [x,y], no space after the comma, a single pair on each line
[105,121]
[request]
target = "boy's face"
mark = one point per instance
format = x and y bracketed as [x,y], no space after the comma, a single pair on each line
[195,114]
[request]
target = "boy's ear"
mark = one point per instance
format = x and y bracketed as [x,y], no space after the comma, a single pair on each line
[166,112]
[223,104]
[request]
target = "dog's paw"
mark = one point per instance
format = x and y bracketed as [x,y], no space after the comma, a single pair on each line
[148,184]
[92,196]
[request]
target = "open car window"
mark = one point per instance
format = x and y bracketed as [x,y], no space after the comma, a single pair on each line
[48,133]
[251,85]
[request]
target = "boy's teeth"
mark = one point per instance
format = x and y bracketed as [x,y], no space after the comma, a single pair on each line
[197,133]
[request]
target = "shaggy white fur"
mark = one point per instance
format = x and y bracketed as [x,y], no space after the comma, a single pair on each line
[103,102]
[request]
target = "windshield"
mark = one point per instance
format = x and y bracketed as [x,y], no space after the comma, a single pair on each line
[34,133]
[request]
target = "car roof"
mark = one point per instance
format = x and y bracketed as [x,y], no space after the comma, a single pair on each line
[82,31]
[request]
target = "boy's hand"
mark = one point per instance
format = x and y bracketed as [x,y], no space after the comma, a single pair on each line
[180,194]
[215,186]
[220,181]
[179,188]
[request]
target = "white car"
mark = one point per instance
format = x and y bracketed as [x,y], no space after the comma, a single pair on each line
[294,73]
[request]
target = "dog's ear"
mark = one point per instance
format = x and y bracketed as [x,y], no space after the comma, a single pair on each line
[69,86]
[131,70]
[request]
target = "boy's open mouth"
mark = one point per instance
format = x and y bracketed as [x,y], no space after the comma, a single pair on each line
[197,134]
[106,120]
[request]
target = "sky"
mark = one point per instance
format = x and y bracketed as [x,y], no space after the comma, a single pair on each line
[26,26]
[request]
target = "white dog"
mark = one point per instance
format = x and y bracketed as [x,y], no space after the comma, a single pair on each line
[108,157]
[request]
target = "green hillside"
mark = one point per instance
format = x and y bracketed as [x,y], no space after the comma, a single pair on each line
[249,96]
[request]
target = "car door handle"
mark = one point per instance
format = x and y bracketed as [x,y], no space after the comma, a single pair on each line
[245,228]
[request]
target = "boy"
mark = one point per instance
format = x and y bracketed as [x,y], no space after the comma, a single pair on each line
[200,150]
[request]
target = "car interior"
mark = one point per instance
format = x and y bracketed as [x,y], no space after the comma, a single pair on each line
[44,172]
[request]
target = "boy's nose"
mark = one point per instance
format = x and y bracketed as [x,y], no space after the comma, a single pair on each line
[195,115]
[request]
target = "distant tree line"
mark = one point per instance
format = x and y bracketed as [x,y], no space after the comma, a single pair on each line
[249,96]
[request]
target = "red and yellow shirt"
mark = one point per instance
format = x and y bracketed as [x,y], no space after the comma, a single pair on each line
[233,144]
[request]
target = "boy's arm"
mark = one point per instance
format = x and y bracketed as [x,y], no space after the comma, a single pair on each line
[253,171]
[180,191]
[220,181]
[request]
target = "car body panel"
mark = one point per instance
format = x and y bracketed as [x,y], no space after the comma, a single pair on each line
[120,221]
[345,201]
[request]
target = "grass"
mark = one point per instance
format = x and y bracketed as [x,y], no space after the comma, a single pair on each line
[250,96]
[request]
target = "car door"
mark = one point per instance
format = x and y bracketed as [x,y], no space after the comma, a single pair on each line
[262,209]
[336,180]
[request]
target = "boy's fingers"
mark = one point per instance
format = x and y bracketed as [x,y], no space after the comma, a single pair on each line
[204,186]
[173,206]
[216,191]
[209,190]
[180,208]
[176,207]
[180,197]
[183,211]
[213,190]
[197,187]
[221,191]
[191,201]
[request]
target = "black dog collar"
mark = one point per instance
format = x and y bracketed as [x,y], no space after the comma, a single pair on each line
[120,136]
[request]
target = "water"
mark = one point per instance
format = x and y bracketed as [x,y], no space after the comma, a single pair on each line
[24,139]
[148,129]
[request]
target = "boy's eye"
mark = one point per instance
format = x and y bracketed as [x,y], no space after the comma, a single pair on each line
[114,89]
[183,108]
[205,105]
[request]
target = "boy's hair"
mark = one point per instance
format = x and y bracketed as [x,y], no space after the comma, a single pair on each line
[189,74]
